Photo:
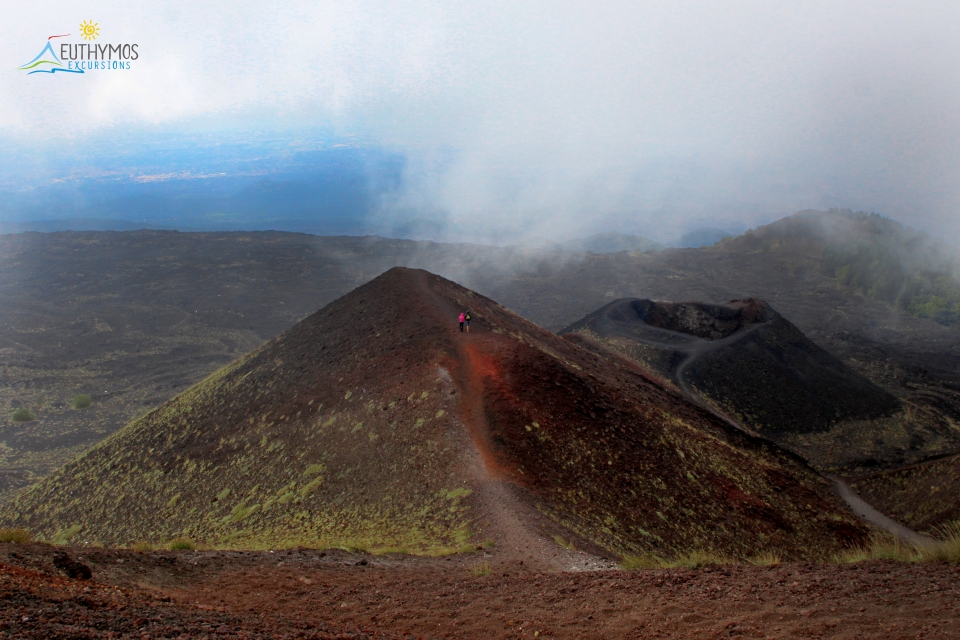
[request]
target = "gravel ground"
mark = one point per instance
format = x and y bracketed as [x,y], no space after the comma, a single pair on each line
[312,594]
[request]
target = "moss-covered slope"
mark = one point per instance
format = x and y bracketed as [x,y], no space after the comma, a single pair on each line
[339,432]
[371,423]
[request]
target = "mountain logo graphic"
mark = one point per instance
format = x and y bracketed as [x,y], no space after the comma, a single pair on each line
[47,62]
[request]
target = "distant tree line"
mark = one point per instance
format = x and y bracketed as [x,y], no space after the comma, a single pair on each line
[900,266]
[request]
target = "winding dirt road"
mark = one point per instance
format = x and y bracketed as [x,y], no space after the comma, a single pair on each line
[694,348]
[513,521]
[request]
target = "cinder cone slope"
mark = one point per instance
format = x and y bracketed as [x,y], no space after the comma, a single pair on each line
[376,423]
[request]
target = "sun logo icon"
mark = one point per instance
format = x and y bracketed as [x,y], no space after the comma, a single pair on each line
[89,30]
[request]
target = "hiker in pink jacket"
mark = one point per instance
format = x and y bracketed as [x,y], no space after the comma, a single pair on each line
[461,322]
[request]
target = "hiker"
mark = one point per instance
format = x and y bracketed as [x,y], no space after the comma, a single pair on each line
[467,319]
[462,318]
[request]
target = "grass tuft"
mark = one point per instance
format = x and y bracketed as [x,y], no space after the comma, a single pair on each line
[443,551]
[81,401]
[767,559]
[181,544]
[141,546]
[16,536]
[646,561]
[698,558]
[949,550]
[880,547]
[690,560]
[63,536]
[481,569]
[888,548]
[851,555]
[23,415]
[352,547]
[380,551]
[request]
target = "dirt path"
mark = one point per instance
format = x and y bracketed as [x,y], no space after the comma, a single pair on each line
[694,348]
[694,351]
[513,521]
[856,504]
[859,506]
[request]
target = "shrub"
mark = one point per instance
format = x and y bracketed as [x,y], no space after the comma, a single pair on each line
[81,401]
[181,544]
[17,536]
[23,415]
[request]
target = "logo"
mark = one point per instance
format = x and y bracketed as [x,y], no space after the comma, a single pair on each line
[89,30]
[82,57]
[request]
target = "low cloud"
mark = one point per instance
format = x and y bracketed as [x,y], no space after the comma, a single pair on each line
[548,120]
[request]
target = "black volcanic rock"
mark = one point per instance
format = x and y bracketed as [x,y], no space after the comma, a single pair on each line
[70,567]
[747,359]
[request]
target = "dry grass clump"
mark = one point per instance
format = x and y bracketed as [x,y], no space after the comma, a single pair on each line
[879,547]
[892,548]
[181,544]
[945,548]
[885,547]
[646,561]
[698,558]
[63,536]
[16,536]
[693,559]
[949,548]
[481,569]
[141,547]
[766,559]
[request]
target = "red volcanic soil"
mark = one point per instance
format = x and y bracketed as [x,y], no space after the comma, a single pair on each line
[310,594]
[617,458]
[424,435]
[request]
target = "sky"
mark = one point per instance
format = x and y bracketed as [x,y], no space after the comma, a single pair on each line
[520,119]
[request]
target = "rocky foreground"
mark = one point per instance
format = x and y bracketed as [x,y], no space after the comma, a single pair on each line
[334,594]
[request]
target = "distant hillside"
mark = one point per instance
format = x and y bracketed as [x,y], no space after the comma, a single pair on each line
[877,256]
[375,422]
[76,224]
[134,318]
[612,243]
[701,238]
